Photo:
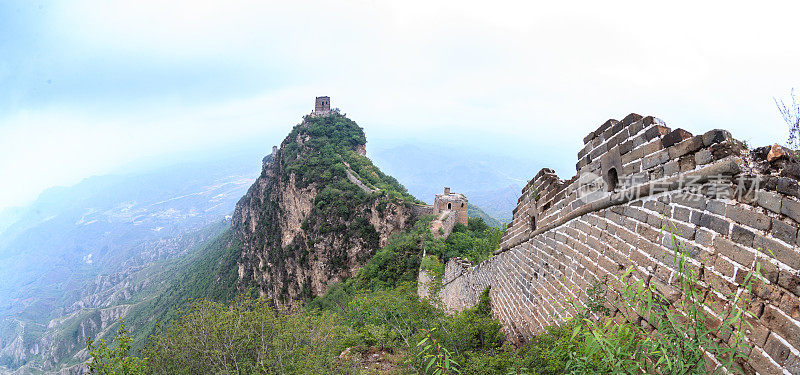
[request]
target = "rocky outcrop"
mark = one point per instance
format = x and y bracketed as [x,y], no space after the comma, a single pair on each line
[63,341]
[309,220]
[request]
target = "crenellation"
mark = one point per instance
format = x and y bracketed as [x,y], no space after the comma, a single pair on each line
[740,208]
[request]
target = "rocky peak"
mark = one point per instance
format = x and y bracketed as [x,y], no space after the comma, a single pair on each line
[317,213]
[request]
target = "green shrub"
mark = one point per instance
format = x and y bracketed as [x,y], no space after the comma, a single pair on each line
[432,264]
[683,331]
[116,360]
[246,336]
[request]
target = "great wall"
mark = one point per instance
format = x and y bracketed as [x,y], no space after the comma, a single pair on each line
[729,206]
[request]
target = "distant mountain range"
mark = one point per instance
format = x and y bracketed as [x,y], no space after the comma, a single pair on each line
[491,182]
[70,251]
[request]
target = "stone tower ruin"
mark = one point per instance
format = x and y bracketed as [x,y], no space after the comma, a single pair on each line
[452,202]
[322,106]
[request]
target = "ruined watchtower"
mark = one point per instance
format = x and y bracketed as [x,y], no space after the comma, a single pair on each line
[322,106]
[452,202]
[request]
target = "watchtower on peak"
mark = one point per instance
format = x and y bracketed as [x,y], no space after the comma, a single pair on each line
[322,106]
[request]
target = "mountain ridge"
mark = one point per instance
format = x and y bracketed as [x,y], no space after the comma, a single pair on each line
[318,211]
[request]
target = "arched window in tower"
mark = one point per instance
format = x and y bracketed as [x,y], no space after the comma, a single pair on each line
[613,179]
[449,206]
[533,223]
[462,205]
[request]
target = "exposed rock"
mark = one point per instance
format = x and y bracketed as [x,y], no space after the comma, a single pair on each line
[292,248]
[776,152]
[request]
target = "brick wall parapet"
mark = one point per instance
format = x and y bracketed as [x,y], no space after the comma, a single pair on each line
[730,208]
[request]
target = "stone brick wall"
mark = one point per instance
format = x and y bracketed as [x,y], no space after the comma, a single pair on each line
[418,210]
[446,222]
[730,208]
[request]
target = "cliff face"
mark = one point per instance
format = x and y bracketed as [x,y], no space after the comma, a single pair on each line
[317,213]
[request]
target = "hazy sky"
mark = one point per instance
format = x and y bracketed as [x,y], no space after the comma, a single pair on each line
[87,87]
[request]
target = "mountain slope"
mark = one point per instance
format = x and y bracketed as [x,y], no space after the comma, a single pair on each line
[72,258]
[317,213]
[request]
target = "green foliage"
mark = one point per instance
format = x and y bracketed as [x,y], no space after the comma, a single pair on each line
[475,329]
[316,151]
[397,263]
[379,309]
[245,337]
[436,359]
[545,354]
[475,242]
[682,328]
[210,273]
[474,211]
[116,360]
[432,264]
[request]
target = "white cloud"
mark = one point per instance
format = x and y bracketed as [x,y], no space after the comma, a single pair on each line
[532,74]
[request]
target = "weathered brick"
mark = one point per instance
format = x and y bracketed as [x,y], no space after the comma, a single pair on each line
[690,200]
[763,363]
[614,129]
[716,207]
[768,292]
[715,223]
[681,213]
[696,216]
[688,146]
[687,163]
[657,172]
[703,157]
[654,221]
[656,206]
[635,213]
[671,167]
[667,291]
[788,186]
[716,136]
[597,151]
[784,231]
[648,232]
[626,147]
[655,159]
[636,126]
[777,321]
[704,236]
[718,283]
[651,147]
[679,229]
[755,310]
[769,270]
[748,217]
[724,266]
[733,251]
[790,280]
[787,255]
[655,131]
[742,236]
[631,168]
[675,137]
[790,304]
[791,208]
